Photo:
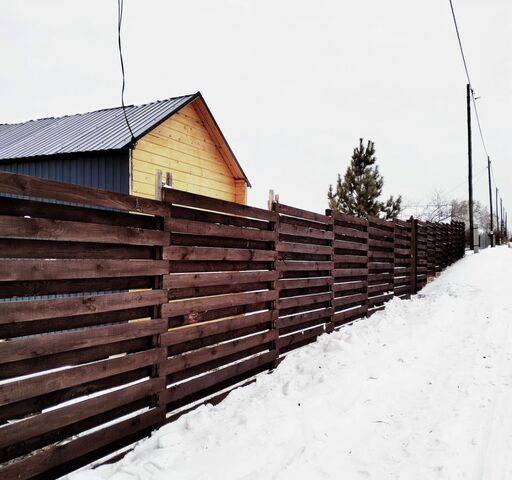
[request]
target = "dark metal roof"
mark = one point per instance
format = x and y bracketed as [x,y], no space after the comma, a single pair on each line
[86,132]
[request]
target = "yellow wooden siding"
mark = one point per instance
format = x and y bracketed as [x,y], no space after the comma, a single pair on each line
[183,146]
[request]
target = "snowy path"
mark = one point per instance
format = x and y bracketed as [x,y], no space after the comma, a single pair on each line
[422,390]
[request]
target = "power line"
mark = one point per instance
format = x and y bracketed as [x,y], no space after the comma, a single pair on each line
[120,7]
[468,78]
[473,101]
[465,182]
[460,42]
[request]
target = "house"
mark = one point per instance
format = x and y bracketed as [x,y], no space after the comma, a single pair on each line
[96,149]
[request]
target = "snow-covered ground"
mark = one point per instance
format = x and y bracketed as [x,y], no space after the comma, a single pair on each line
[422,390]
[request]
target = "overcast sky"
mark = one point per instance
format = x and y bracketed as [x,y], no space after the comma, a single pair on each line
[292,84]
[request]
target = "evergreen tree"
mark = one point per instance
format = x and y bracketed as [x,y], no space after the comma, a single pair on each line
[359,191]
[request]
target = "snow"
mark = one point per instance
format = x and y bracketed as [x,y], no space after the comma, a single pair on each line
[422,390]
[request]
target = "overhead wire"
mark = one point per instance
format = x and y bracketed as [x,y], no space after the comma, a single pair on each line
[468,78]
[473,99]
[120,7]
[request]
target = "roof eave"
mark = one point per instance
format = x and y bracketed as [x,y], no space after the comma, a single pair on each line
[224,140]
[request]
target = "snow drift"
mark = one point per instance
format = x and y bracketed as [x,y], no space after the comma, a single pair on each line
[422,390]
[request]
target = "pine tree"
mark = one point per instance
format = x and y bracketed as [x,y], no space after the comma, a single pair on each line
[359,191]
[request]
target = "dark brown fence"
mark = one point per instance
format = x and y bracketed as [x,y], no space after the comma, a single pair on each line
[222,296]
[305,265]
[118,314]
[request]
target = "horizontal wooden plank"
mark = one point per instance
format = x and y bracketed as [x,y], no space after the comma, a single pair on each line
[402,270]
[377,277]
[374,254]
[402,290]
[381,244]
[37,187]
[42,384]
[30,366]
[181,307]
[23,269]
[204,266]
[289,340]
[350,285]
[401,281]
[63,230]
[373,289]
[323,314]
[349,272]
[61,453]
[299,213]
[349,315]
[304,300]
[386,224]
[187,333]
[41,345]
[215,230]
[308,232]
[402,261]
[343,217]
[294,283]
[19,207]
[175,252]
[379,299]
[32,310]
[349,299]
[207,203]
[214,352]
[28,248]
[82,285]
[192,292]
[401,234]
[60,417]
[289,247]
[225,278]
[403,243]
[214,217]
[378,232]
[183,390]
[379,266]
[349,234]
[301,266]
[345,245]
[350,259]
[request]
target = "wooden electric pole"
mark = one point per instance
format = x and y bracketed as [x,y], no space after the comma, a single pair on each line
[497,211]
[501,215]
[470,170]
[490,199]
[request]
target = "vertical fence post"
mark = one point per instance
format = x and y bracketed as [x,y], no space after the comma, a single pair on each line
[453,241]
[329,327]
[394,259]
[160,282]
[431,256]
[414,256]
[274,305]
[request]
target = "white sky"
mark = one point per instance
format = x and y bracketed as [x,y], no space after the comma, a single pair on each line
[292,84]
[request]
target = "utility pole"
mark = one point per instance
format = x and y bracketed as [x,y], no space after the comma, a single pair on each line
[470,170]
[490,199]
[501,214]
[497,211]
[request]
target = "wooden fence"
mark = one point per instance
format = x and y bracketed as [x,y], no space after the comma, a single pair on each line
[118,313]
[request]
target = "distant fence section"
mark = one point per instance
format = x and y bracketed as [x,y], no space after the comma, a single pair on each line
[119,314]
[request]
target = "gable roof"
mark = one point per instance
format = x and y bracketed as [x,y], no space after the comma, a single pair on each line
[97,131]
